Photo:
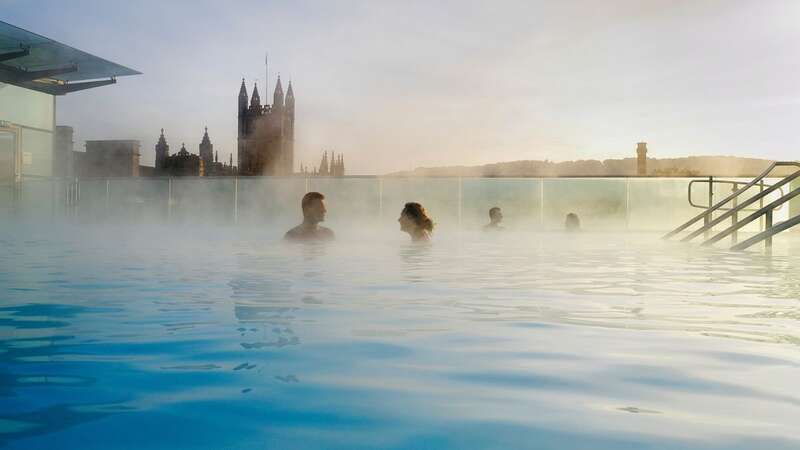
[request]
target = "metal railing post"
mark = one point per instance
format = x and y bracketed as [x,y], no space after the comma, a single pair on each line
[236,201]
[768,240]
[169,199]
[735,217]
[761,205]
[708,217]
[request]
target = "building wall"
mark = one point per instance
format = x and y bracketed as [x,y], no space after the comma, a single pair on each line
[111,158]
[31,115]
[63,150]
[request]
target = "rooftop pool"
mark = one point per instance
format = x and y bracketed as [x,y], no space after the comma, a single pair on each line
[167,337]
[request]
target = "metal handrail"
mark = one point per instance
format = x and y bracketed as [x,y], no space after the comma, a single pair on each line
[708,213]
[715,181]
[736,209]
[767,234]
[764,210]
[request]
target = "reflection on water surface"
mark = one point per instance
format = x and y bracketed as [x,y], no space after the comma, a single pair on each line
[501,341]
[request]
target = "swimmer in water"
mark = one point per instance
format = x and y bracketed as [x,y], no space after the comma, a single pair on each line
[414,220]
[495,217]
[572,222]
[313,205]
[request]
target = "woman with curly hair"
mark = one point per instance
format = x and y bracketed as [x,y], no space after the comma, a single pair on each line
[414,220]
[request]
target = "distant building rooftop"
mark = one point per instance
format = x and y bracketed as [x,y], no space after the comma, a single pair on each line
[116,145]
[35,62]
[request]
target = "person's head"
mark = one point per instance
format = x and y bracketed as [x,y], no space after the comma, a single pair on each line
[572,222]
[414,219]
[495,215]
[313,205]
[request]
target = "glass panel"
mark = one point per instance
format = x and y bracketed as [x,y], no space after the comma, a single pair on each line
[349,200]
[599,203]
[94,202]
[202,200]
[7,153]
[36,200]
[138,200]
[36,148]
[656,204]
[271,201]
[26,107]
[659,204]
[518,198]
[439,196]
[6,200]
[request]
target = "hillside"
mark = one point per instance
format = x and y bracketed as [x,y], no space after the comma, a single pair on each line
[729,166]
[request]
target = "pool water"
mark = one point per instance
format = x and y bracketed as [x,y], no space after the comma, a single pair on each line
[227,338]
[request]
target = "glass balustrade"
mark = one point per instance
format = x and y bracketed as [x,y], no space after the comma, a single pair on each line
[637,204]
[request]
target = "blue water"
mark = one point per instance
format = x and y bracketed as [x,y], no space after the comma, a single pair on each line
[166,338]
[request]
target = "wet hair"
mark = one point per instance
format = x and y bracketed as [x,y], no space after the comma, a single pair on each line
[309,198]
[493,211]
[572,222]
[419,215]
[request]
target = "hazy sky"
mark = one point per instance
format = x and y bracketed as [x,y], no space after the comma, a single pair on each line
[401,84]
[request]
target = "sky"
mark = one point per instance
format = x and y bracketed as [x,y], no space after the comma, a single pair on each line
[395,85]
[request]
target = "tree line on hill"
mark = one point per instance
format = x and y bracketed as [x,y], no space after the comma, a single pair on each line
[692,166]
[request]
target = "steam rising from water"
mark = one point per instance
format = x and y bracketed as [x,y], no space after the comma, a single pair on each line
[358,205]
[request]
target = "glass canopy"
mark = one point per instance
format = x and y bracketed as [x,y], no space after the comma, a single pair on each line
[25,55]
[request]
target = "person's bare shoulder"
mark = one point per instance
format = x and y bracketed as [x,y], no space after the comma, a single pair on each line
[294,234]
[300,233]
[326,234]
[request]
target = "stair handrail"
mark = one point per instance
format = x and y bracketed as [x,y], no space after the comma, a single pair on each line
[743,205]
[768,233]
[730,197]
[764,210]
[715,181]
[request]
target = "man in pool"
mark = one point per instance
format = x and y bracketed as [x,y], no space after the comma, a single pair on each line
[495,217]
[313,205]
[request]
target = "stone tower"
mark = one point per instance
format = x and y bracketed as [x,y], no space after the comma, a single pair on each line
[242,104]
[277,97]
[288,130]
[641,159]
[266,133]
[206,151]
[162,152]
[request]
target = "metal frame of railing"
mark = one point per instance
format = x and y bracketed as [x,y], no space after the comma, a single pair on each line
[766,210]
[734,203]
[767,234]
[713,181]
